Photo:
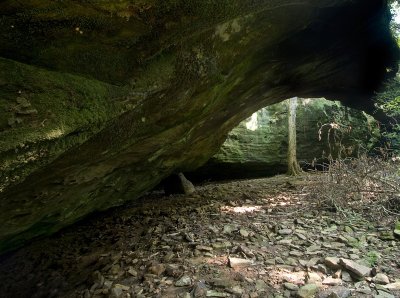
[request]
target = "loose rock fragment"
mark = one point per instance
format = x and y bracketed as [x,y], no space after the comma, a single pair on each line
[393,286]
[335,292]
[157,269]
[238,262]
[307,291]
[332,262]
[244,233]
[381,279]
[184,281]
[290,286]
[213,293]
[358,269]
[285,232]
[330,281]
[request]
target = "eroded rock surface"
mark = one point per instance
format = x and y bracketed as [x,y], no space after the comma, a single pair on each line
[100,101]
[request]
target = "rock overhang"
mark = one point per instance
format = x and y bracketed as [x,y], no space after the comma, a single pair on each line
[147,88]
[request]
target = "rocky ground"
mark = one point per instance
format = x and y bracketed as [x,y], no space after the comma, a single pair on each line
[250,238]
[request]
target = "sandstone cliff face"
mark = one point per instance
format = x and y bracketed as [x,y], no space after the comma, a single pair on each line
[258,145]
[100,100]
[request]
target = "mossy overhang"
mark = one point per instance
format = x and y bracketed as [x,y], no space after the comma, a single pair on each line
[104,99]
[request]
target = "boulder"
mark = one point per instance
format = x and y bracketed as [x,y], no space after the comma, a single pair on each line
[178,184]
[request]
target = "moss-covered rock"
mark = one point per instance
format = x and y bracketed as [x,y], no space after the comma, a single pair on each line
[258,145]
[101,100]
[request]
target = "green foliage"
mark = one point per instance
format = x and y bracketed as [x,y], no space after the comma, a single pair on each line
[388,101]
[372,258]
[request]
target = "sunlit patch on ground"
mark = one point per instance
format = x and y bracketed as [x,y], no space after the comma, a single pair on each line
[242,209]
[279,275]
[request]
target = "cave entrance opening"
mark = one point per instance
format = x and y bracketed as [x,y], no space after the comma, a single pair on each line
[258,146]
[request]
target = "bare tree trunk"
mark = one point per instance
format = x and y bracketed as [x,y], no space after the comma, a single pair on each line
[293,166]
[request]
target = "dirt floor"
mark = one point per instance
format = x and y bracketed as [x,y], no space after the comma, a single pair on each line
[249,238]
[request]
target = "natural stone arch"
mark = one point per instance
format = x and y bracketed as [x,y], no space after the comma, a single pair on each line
[102,101]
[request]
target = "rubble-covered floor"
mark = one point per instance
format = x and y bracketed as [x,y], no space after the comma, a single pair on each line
[249,238]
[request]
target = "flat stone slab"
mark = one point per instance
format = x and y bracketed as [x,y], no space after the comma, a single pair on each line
[358,269]
[238,262]
[332,262]
[393,286]
[330,281]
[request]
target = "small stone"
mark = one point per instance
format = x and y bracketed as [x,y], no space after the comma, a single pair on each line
[290,286]
[337,274]
[173,270]
[354,257]
[363,287]
[381,279]
[332,262]
[122,287]
[313,278]
[244,233]
[330,281]
[199,289]
[322,268]
[270,262]
[228,229]
[253,295]
[222,283]
[285,242]
[107,284]
[396,231]
[222,245]
[132,272]
[307,291]
[238,262]
[116,293]
[314,261]
[260,285]
[386,235]
[291,262]
[337,245]
[157,269]
[204,248]
[301,236]
[296,253]
[115,269]
[213,293]
[285,232]
[358,269]
[347,229]
[346,276]
[236,290]
[184,281]
[313,248]
[303,263]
